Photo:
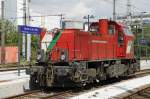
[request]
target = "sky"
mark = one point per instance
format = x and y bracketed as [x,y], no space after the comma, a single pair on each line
[79,8]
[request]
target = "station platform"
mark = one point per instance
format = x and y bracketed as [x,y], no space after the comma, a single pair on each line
[116,91]
[145,64]
[12,84]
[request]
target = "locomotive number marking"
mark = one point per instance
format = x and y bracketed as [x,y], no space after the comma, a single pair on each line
[98,41]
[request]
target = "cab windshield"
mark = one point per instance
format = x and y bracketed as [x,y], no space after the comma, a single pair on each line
[127,31]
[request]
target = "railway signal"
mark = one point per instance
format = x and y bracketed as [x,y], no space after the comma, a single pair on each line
[143,42]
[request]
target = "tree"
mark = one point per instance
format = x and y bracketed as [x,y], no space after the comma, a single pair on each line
[10,30]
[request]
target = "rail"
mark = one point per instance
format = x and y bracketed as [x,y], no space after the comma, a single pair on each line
[24,94]
[143,92]
[60,95]
[141,73]
[41,95]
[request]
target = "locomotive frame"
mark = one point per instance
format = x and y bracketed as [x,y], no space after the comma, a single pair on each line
[76,57]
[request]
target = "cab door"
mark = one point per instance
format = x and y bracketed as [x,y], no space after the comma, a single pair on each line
[121,44]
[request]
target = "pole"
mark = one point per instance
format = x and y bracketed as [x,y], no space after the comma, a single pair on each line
[61,18]
[19,41]
[142,32]
[2,36]
[142,25]
[146,53]
[129,14]
[114,10]
[24,35]
[140,51]
[28,35]
[88,18]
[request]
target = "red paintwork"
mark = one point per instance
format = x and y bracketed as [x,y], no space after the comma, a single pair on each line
[82,45]
[42,34]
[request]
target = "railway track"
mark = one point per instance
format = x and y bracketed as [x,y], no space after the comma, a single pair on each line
[141,73]
[139,93]
[13,68]
[24,94]
[38,94]
[142,93]
[61,95]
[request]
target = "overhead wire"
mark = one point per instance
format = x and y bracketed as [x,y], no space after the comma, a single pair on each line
[120,3]
[21,10]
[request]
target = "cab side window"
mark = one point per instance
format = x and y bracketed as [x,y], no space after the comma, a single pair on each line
[120,38]
[111,29]
[94,30]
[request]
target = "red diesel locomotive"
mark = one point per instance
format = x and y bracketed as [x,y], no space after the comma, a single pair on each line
[75,57]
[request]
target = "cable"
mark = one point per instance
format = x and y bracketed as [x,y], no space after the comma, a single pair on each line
[59,15]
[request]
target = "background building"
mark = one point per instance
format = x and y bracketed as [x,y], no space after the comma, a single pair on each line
[13,10]
[44,21]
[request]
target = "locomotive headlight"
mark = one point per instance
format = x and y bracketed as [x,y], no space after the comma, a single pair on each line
[63,57]
[38,57]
